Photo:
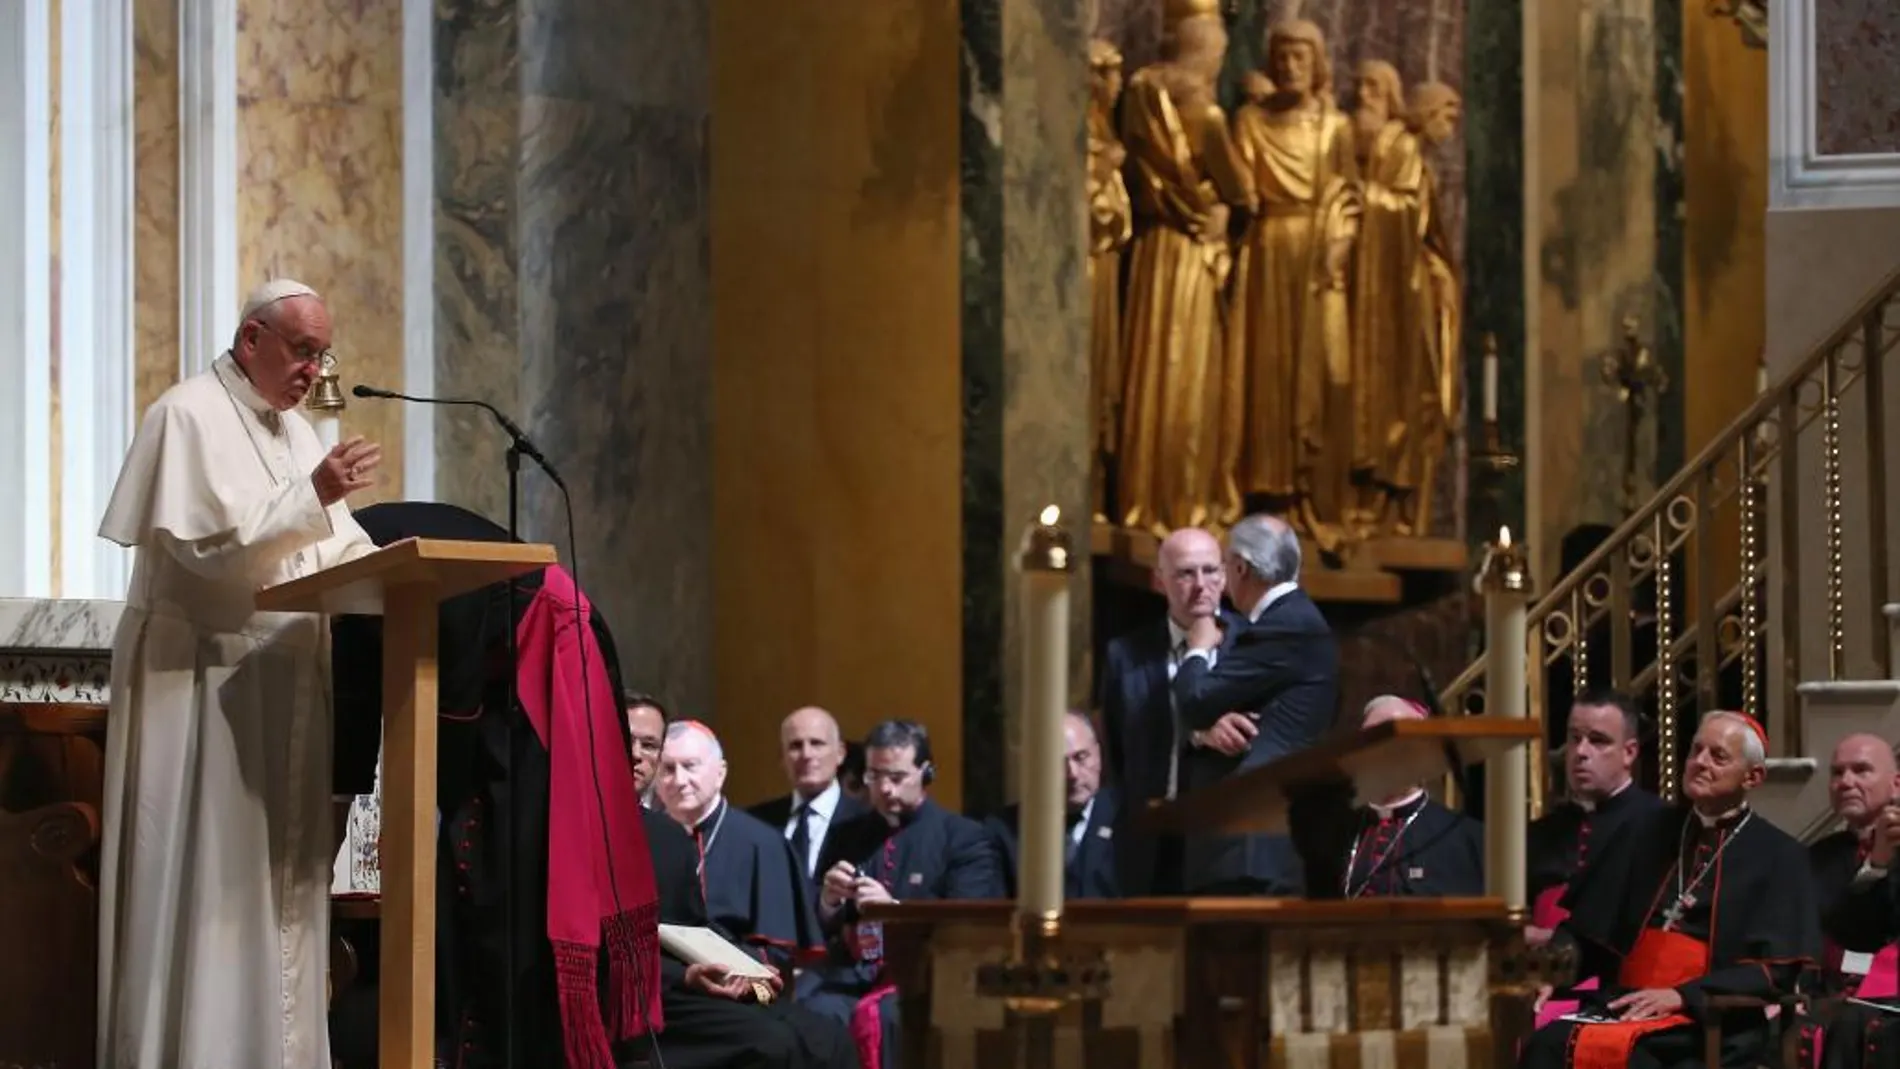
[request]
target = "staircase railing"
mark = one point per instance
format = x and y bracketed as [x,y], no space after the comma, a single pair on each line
[1683,629]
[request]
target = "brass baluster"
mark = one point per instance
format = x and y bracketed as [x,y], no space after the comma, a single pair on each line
[1831,487]
[1751,576]
[1665,659]
[1579,641]
[1787,547]
[1707,619]
[1620,612]
[1874,394]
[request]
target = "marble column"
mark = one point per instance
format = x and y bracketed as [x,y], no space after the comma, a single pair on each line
[615,317]
[1496,171]
[571,290]
[1025,344]
[26,328]
[319,115]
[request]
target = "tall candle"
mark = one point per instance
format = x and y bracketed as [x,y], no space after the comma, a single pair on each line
[1046,561]
[1490,385]
[1506,586]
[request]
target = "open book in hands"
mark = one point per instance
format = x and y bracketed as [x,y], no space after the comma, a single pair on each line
[703,946]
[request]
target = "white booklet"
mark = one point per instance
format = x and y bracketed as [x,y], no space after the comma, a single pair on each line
[703,946]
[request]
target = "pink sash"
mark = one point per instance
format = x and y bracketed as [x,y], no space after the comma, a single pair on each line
[1555,1008]
[867,1025]
[1545,912]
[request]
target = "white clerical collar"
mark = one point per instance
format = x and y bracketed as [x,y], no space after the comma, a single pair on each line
[1720,818]
[1386,810]
[1273,594]
[822,805]
[712,811]
[234,379]
[1589,805]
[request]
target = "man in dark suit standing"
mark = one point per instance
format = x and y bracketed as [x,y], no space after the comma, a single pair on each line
[1143,741]
[1089,869]
[1280,670]
[818,805]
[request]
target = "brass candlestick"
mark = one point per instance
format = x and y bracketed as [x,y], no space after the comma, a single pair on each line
[1492,461]
[1632,371]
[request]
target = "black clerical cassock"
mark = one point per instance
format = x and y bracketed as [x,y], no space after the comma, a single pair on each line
[753,889]
[1416,849]
[1704,908]
[1860,920]
[1562,842]
[711,1032]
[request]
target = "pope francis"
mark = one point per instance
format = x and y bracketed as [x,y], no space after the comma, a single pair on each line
[217,847]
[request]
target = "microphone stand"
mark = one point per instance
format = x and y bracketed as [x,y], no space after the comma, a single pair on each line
[518,445]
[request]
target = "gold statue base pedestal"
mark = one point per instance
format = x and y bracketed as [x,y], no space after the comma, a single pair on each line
[1214,982]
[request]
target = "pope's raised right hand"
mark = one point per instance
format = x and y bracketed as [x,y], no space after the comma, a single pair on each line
[348,468]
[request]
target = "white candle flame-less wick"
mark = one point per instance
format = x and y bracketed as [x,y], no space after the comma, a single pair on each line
[1050,515]
[1504,537]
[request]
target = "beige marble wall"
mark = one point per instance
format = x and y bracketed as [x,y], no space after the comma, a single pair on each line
[155,198]
[1821,266]
[320,183]
[835,387]
[1593,201]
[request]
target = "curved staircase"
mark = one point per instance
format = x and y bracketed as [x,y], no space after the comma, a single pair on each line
[1758,578]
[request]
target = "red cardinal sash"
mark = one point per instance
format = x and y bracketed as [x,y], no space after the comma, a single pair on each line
[1659,959]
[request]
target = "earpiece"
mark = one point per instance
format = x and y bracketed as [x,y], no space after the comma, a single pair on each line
[929,773]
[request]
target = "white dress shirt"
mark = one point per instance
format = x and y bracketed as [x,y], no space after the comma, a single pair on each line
[823,808]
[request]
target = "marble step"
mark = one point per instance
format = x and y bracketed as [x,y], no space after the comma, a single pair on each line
[1794,796]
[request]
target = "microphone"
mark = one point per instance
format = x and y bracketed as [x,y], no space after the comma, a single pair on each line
[521,442]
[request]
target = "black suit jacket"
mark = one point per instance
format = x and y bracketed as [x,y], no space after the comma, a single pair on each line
[1285,668]
[778,812]
[936,855]
[1090,871]
[1137,734]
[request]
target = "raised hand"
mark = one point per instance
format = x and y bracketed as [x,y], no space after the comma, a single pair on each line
[346,469]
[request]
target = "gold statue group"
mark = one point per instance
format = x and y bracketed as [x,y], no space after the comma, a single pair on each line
[1275,302]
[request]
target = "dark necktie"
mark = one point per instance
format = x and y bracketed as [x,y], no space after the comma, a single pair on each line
[801,838]
[1070,845]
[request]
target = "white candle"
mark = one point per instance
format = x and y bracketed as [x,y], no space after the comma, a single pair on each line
[1506,777]
[1045,599]
[329,429]
[1491,386]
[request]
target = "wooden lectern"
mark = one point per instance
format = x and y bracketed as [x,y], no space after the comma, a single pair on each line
[1259,983]
[403,583]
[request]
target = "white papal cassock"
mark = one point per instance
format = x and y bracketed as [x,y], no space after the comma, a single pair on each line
[216,859]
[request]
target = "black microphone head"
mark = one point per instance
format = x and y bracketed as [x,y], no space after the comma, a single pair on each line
[361,390]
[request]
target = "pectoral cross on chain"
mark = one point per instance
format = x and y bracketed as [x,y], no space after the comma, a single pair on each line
[1673,915]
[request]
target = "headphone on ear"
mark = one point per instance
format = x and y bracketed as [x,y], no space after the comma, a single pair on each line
[929,772]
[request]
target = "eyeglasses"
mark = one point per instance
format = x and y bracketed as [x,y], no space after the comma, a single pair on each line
[303,351]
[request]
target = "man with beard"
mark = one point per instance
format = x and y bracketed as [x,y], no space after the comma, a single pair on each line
[1599,765]
[1698,899]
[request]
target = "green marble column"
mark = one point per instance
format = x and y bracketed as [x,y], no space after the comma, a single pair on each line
[1025,323]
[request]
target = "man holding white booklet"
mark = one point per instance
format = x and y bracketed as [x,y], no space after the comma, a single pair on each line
[722,1008]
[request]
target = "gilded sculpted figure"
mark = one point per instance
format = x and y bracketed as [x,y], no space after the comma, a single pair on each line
[1183,176]
[1291,363]
[1432,374]
[1111,221]
[1390,305]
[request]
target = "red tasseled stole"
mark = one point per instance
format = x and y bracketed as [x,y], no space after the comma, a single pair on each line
[600,880]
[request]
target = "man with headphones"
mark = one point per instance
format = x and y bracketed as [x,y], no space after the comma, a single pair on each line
[907,848]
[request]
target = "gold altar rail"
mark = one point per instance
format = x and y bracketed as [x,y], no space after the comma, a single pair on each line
[1654,598]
